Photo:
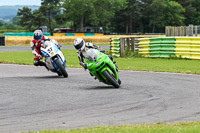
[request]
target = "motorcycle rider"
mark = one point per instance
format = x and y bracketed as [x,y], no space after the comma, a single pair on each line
[38,41]
[82,47]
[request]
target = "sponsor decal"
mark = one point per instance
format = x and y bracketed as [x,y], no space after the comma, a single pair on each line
[97,63]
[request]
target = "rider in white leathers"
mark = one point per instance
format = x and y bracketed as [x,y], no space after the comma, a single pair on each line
[82,47]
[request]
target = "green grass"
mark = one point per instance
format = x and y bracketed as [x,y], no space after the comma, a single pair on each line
[129,63]
[26,57]
[189,127]
[159,65]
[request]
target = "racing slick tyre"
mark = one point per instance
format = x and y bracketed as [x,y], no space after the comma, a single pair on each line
[111,79]
[61,68]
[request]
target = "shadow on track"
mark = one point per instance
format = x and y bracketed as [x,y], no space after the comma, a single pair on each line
[100,88]
[38,77]
[48,77]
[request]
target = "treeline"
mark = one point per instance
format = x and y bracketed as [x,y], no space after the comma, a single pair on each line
[121,16]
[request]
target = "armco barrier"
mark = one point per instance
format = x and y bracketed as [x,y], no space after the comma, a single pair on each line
[9,34]
[29,34]
[69,34]
[88,34]
[46,34]
[98,34]
[58,34]
[24,34]
[79,34]
[54,34]
[115,47]
[184,47]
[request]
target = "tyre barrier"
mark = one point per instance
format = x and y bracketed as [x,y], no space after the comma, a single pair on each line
[49,34]
[115,47]
[166,47]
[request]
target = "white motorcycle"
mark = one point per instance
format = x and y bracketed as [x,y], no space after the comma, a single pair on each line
[54,58]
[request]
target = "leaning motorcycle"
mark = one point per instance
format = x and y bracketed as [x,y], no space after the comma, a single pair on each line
[54,58]
[102,67]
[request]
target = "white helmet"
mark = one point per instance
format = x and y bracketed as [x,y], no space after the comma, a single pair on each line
[79,44]
[37,35]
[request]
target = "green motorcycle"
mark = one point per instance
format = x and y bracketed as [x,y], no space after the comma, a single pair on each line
[102,67]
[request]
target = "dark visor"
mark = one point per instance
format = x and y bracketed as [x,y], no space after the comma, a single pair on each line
[37,37]
[79,45]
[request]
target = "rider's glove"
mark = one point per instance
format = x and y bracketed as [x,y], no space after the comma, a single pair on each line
[83,65]
[59,45]
[39,56]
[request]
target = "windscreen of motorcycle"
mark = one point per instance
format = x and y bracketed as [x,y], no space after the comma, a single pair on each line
[90,54]
[46,44]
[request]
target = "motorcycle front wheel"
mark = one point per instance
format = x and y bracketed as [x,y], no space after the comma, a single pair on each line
[110,79]
[61,68]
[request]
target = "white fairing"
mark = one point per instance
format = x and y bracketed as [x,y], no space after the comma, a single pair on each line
[49,50]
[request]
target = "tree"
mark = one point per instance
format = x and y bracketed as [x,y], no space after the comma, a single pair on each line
[194,17]
[1,24]
[38,19]
[50,9]
[93,12]
[104,10]
[175,15]
[165,12]
[189,9]
[129,17]
[76,10]
[25,17]
[15,19]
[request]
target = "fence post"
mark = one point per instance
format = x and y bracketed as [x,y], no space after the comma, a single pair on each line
[128,43]
[196,30]
[190,30]
[122,45]
[166,31]
[133,44]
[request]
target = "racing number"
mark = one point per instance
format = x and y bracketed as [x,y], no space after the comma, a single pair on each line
[49,50]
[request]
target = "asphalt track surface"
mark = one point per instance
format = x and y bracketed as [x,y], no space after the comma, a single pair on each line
[27,48]
[33,99]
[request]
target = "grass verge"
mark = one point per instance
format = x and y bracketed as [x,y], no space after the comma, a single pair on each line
[189,127]
[128,63]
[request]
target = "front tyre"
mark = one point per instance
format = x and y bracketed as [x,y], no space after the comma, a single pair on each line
[110,79]
[119,81]
[61,68]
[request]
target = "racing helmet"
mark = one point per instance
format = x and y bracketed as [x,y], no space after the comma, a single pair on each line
[79,44]
[37,35]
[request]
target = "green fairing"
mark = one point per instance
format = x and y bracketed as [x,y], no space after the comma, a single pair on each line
[102,63]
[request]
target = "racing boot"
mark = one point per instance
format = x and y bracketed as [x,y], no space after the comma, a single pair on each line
[42,63]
